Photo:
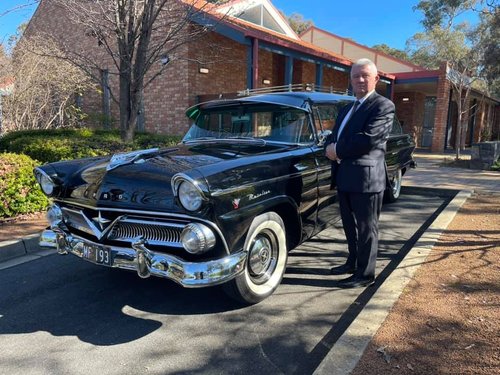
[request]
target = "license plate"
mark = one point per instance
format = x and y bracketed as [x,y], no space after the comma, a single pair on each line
[97,254]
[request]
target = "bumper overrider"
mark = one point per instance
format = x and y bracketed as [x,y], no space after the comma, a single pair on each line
[145,261]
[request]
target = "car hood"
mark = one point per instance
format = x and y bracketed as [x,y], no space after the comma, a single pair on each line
[143,181]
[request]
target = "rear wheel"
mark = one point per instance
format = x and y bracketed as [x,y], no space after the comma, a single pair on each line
[266,260]
[394,189]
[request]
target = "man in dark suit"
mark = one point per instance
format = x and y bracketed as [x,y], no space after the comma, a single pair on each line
[357,150]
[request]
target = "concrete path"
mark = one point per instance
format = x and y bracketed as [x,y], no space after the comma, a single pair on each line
[432,172]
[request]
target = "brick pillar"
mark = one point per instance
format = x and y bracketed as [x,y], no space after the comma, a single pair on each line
[441,117]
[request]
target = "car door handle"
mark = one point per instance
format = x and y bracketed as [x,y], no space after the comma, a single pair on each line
[300,167]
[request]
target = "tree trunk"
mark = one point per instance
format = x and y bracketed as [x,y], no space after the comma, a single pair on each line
[126,130]
[458,133]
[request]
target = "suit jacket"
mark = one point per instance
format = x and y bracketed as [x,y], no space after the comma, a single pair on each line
[362,145]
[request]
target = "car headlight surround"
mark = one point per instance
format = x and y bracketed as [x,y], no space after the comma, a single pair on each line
[197,238]
[45,181]
[188,192]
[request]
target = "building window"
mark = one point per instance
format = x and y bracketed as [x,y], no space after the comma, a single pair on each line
[259,15]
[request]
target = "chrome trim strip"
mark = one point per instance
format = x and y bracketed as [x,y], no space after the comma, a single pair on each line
[179,177]
[153,213]
[148,263]
[42,172]
[270,181]
[96,232]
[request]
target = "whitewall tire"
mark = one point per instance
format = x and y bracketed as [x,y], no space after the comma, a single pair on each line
[266,260]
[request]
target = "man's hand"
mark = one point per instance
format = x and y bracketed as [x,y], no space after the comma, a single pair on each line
[330,152]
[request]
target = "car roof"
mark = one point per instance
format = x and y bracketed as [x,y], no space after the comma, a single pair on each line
[295,99]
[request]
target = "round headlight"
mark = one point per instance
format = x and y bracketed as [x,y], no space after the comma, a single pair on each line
[46,184]
[197,238]
[190,196]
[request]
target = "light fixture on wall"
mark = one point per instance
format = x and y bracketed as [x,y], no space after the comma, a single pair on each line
[203,70]
[405,99]
[164,60]
[266,81]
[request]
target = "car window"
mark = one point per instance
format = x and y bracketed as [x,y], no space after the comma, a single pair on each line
[325,115]
[273,123]
[396,127]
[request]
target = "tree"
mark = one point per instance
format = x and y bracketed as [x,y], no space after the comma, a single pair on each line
[298,23]
[136,40]
[44,88]
[488,35]
[4,62]
[446,40]
[394,52]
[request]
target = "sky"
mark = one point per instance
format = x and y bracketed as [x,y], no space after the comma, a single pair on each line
[367,22]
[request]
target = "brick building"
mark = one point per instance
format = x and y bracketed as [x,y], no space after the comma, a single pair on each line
[256,48]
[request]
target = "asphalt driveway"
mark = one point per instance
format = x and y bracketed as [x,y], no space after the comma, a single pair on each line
[62,315]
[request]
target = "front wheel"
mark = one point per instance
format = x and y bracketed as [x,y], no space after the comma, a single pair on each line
[266,260]
[394,189]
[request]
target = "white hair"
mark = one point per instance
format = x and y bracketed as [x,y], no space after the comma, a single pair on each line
[364,62]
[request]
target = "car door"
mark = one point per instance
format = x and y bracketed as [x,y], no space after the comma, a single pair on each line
[324,117]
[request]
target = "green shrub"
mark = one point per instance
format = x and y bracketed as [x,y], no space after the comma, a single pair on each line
[19,191]
[63,144]
[496,165]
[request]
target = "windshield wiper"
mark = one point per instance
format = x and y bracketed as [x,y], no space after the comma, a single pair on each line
[210,138]
[228,140]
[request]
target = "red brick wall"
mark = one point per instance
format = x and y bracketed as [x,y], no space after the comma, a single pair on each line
[443,92]
[411,113]
[227,64]
[279,62]
[336,79]
[308,74]
[267,70]
[179,87]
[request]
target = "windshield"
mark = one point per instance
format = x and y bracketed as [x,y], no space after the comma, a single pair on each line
[269,123]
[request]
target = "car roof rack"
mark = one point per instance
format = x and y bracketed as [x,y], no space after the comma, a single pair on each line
[309,87]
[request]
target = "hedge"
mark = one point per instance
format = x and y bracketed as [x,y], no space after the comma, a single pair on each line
[21,151]
[63,144]
[19,191]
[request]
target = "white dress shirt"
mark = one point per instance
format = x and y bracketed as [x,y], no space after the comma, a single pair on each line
[349,114]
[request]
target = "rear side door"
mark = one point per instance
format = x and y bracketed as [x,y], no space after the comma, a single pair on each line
[399,148]
[324,117]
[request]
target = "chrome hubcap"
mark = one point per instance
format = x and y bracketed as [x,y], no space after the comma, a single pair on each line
[396,184]
[261,259]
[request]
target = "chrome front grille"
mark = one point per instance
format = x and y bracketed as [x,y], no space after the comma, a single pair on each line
[104,226]
[77,219]
[154,233]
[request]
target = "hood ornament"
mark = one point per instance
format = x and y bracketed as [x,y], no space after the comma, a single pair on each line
[128,157]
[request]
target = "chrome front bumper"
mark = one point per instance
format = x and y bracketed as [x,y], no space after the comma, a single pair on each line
[146,262]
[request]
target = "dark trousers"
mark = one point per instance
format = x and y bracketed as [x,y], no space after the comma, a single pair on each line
[360,213]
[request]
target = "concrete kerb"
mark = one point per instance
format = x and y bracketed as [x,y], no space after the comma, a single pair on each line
[347,351]
[20,247]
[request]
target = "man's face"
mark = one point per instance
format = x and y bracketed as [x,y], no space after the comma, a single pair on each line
[363,80]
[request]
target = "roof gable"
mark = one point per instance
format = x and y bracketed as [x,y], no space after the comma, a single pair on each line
[258,12]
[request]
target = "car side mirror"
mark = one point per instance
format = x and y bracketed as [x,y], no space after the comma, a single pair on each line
[322,136]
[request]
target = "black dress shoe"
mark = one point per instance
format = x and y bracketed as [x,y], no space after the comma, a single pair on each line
[342,270]
[356,281]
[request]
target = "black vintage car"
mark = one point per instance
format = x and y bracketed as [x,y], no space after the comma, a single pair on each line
[248,183]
